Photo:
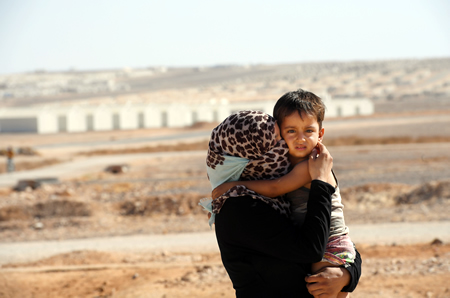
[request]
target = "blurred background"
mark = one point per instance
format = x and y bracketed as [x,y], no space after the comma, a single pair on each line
[106,108]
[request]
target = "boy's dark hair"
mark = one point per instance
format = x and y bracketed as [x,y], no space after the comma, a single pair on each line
[300,101]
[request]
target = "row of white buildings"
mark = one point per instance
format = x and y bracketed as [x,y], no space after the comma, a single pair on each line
[104,117]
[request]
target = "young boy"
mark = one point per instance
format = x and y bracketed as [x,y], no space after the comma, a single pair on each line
[299,115]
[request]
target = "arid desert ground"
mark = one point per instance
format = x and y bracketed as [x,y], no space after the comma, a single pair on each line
[394,170]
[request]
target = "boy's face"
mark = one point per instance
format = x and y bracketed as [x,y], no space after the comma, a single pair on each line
[301,135]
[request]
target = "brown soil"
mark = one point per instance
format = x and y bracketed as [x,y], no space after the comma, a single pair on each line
[389,271]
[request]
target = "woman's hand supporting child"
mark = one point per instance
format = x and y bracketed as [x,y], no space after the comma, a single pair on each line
[320,165]
[328,282]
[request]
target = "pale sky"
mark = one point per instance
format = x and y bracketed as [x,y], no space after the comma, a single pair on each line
[98,34]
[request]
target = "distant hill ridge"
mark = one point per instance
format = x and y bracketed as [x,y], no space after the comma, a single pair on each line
[377,80]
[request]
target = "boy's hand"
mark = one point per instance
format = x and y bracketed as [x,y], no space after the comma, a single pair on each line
[320,165]
[221,189]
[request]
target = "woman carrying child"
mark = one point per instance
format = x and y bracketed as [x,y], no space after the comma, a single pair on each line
[262,251]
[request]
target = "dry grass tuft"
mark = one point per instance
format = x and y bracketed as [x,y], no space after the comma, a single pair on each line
[436,190]
[57,208]
[181,204]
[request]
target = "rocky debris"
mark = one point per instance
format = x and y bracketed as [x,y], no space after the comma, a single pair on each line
[201,276]
[436,190]
[61,208]
[38,226]
[117,169]
[34,183]
[13,213]
[437,242]
[370,196]
[168,204]
[68,192]
[402,266]
[53,208]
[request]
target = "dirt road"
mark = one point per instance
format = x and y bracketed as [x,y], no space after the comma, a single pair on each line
[205,242]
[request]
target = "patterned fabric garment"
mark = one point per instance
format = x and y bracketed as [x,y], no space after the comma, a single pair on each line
[339,251]
[250,135]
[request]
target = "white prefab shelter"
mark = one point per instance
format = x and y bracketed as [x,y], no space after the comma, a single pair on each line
[348,107]
[103,117]
[153,117]
[17,121]
[100,117]
[75,120]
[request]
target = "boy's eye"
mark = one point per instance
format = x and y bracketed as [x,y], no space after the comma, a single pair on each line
[291,131]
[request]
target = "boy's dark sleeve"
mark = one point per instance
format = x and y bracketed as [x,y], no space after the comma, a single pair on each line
[355,272]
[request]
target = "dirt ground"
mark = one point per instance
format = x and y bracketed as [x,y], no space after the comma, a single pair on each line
[379,184]
[389,271]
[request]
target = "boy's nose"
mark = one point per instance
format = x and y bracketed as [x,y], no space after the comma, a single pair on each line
[300,138]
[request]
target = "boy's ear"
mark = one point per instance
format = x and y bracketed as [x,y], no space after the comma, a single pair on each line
[321,133]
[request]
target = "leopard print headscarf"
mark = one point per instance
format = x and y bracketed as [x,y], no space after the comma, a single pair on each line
[250,135]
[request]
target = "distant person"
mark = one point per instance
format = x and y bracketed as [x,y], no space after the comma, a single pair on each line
[262,251]
[300,115]
[10,160]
